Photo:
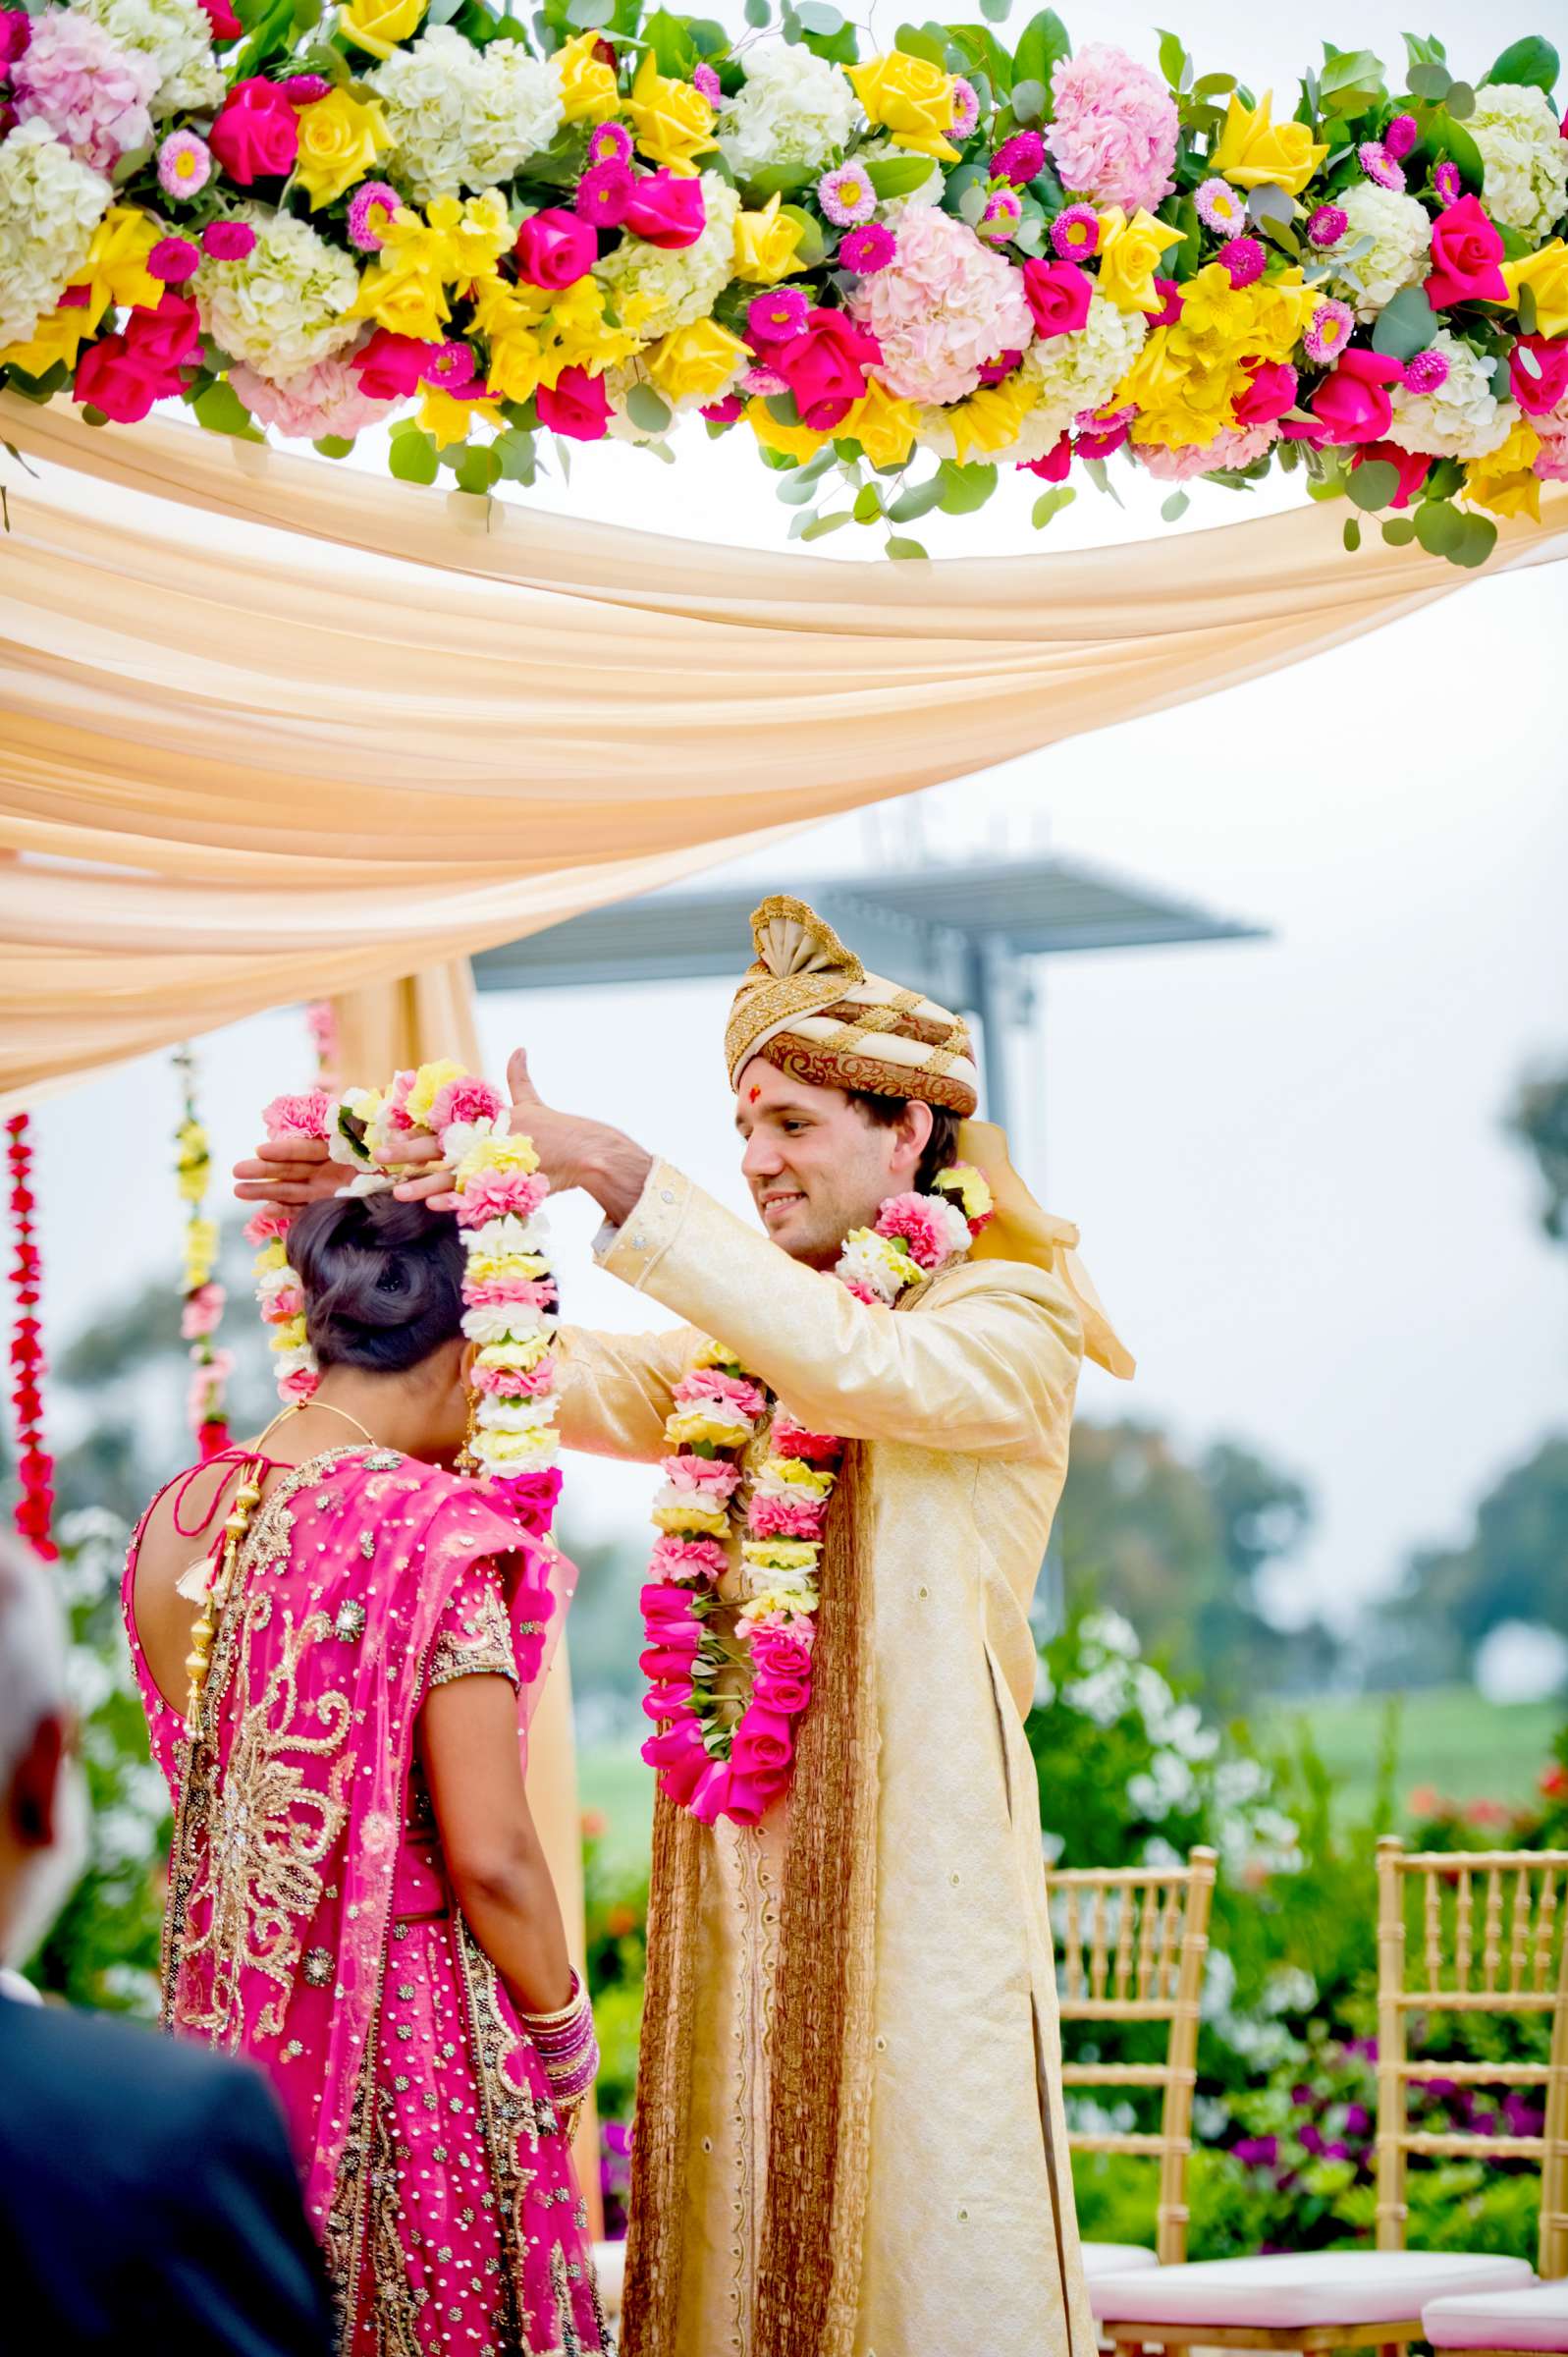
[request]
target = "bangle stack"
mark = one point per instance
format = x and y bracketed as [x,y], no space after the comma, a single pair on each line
[566,2046]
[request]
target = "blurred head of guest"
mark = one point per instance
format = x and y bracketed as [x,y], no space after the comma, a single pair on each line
[43,1817]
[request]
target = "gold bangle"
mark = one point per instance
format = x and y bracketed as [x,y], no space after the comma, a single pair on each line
[568,2012]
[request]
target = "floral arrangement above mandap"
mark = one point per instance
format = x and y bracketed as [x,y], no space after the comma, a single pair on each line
[901,273]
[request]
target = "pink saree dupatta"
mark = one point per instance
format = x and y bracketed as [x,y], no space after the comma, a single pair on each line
[289,1837]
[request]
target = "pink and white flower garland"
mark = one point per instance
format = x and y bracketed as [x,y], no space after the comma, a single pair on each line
[727,1704]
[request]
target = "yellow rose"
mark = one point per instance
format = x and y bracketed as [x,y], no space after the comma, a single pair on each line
[1129,255]
[587,86]
[796,441]
[410,302]
[991,419]
[1505,480]
[767,246]
[671,122]
[1546,274]
[911,98]
[697,363]
[340,138]
[380,25]
[882,426]
[581,335]
[1255,151]
[58,337]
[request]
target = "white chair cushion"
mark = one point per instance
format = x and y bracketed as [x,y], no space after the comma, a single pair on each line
[1115,2257]
[1533,2319]
[1306,2288]
[610,2265]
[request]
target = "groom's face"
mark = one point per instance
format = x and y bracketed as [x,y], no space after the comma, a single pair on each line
[815,1164]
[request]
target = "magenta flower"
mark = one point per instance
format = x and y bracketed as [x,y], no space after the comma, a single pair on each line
[1244,258]
[370,208]
[1379,165]
[1220,207]
[764,383]
[992,372]
[846,195]
[1425,373]
[1327,224]
[1447,184]
[1099,432]
[303,89]
[16,32]
[867,250]
[777,316]
[705,79]
[723,412]
[1401,136]
[1020,159]
[1329,331]
[228,241]
[185,164]
[1001,216]
[452,367]
[610,143]
[1075,233]
[965,108]
[1172,301]
[605,192]
[173,260]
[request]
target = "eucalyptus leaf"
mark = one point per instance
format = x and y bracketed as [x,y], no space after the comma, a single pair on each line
[868,505]
[1373,484]
[1271,202]
[995,12]
[965,488]
[1524,307]
[1440,527]
[1399,530]
[1051,503]
[816,16]
[917,500]
[1351,535]
[1173,510]
[648,411]
[781,408]
[221,411]
[1477,542]
[914,41]
[1213,85]
[819,526]
[478,470]
[798,488]
[1029,100]
[1500,383]
[1460,101]
[332,446]
[413,459]
[759,12]
[1406,324]
[588,16]
[1431,81]
[904,549]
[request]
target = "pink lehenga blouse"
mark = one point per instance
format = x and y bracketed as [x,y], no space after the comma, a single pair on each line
[310,1923]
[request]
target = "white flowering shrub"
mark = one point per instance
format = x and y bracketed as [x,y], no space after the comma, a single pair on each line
[794,112]
[284,306]
[464,118]
[1526,156]
[1397,255]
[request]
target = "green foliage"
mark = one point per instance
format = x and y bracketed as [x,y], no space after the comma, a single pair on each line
[1509,1569]
[1537,1119]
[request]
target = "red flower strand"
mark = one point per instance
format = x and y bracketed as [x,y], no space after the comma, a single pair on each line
[34,1464]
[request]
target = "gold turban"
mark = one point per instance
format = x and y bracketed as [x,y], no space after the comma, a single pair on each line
[809,1006]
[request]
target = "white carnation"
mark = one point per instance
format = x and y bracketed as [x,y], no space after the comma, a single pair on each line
[676,286]
[1463,418]
[499,1322]
[1525,154]
[285,304]
[463,118]
[177,36]
[1401,240]
[515,1415]
[49,207]
[796,110]
[508,1234]
[875,1262]
[1080,371]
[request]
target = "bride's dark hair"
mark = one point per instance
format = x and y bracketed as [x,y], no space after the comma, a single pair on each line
[382,1281]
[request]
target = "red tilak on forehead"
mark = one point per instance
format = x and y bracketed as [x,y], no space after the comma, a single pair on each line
[755,1093]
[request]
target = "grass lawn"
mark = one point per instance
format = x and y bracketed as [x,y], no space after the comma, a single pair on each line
[613,1783]
[1447,1737]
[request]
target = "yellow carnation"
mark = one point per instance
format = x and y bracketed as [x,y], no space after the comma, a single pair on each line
[694,1424]
[1129,255]
[691,1515]
[340,138]
[587,86]
[780,1555]
[378,26]
[1506,481]
[796,441]
[428,1082]
[1546,274]
[290,1336]
[1255,151]
[911,98]
[516,1451]
[970,1186]
[767,244]
[486,1267]
[670,121]
[521,1354]
[514,1153]
[810,1480]
[883,425]
[696,362]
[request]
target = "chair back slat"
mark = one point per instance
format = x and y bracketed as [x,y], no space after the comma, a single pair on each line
[1147,1936]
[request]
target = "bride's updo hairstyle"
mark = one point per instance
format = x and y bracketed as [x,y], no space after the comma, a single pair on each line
[382,1281]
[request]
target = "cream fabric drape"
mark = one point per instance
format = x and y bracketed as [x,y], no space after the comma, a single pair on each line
[270,728]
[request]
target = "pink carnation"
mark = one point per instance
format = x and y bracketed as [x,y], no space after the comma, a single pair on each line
[92,94]
[498,1194]
[469,1099]
[298,1117]
[263,1225]
[710,1382]
[300,1385]
[942,309]
[790,1438]
[285,1304]
[910,1217]
[530,1498]
[202,1311]
[785,1519]
[513,1382]
[512,1293]
[1229,450]
[711,1477]
[1115,129]
[685,1561]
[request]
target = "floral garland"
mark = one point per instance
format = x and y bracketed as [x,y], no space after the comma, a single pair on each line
[203,1296]
[34,1464]
[727,1705]
[509,1291]
[480,234]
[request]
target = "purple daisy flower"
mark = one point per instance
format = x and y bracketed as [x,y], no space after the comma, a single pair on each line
[1449,185]
[1425,373]
[1401,136]
[1379,165]
[370,208]
[705,79]
[777,316]
[228,241]
[1001,216]
[965,108]
[846,195]
[185,164]
[610,143]
[764,383]
[1327,224]
[1020,158]
[1075,233]
[605,192]
[1329,331]
[867,250]
[1244,258]
[173,260]
[1220,208]
[451,366]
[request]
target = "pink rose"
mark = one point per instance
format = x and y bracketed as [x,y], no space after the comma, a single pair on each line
[825,367]
[723,412]
[122,378]
[678,1756]
[668,210]
[1413,466]
[776,1692]
[1467,250]
[1055,466]
[772,1650]
[225,26]
[764,1741]
[1057,295]
[1352,405]
[16,32]
[255,134]
[578,407]
[668,1663]
[666,1701]
[1537,372]
[1271,391]
[170,334]
[555,248]
[390,366]
[747,1799]
[665,1601]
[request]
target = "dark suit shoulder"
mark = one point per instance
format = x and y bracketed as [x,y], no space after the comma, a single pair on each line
[89,2064]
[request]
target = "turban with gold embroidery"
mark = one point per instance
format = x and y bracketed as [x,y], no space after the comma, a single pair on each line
[809,1006]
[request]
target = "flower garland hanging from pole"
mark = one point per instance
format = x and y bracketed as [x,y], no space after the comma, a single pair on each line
[34,1464]
[205,1298]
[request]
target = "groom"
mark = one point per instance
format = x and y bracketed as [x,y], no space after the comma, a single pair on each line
[850,2139]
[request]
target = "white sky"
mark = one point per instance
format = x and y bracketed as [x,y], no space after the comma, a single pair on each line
[1285,1156]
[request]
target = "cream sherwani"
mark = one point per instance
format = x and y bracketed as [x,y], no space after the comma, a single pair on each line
[965,1398]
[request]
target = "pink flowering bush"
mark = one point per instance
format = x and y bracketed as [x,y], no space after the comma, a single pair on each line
[1115,129]
[92,94]
[941,308]
[327,399]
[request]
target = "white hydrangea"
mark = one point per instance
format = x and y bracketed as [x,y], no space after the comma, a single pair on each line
[1463,418]
[677,284]
[1081,371]
[1401,241]
[794,109]
[285,304]
[463,119]
[1525,154]
[177,34]
[49,207]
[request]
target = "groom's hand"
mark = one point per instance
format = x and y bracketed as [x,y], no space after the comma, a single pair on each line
[572,1151]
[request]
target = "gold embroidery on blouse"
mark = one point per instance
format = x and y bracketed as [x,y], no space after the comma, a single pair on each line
[483,1645]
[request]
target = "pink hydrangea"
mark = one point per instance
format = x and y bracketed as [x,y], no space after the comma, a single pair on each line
[1230,449]
[941,308]
[202,1310]
[1551,462]
[790,1438]
[685,1559]
[92,94]
[785,1519]
[494,1194]
[303,1116]
[1115,129]
[327,399]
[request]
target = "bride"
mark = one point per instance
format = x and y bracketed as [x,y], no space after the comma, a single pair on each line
[357,1899]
